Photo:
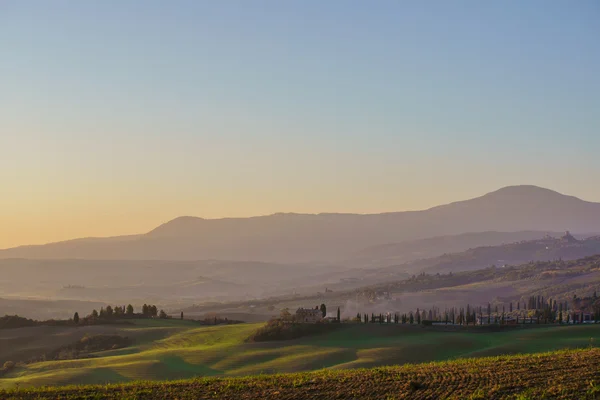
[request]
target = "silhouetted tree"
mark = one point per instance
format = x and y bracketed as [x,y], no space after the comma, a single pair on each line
[145,312]
[338,315]
[181,317]
[76,318]
[324,310]
[162,314]
[129,310]
[94,314]
[109,311]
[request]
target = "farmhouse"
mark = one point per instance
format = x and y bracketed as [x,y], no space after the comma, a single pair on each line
[310,315]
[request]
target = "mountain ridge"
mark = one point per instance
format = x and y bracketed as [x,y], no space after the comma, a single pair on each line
[292,237]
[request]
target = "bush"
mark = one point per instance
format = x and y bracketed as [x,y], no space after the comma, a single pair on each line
[14,321]
[7,367]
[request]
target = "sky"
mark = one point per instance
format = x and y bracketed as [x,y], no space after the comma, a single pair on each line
[119,115]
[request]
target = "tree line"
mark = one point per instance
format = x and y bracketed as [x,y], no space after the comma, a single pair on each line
[536,309]
[120,312]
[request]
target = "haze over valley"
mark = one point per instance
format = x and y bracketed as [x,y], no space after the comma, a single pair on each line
[191,260]
[299,200]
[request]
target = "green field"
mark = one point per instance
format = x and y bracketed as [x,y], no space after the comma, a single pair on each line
[572,374]
[165,350]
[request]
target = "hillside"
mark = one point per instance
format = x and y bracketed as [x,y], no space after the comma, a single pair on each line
[558,279]
[173,349]
[564,375]
[328,237]
[420,249]
[138,282]
[548,248]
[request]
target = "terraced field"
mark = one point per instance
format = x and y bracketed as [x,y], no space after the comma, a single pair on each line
[166,350]
[560,375]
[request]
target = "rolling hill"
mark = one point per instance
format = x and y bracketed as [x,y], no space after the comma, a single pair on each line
[175,349]
[560,280]
[411,250]
[288,237]
[564,375]
[546,248]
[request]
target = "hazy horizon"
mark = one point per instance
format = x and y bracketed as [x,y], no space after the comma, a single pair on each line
[198,189]
[117,117]
[531,191]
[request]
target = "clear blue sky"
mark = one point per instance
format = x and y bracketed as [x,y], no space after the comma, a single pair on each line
[118,115]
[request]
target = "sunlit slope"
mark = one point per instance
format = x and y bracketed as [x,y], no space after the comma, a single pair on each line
[222,351]
[564,375]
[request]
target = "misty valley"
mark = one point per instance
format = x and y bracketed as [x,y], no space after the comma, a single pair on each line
[299,200]
[72,316]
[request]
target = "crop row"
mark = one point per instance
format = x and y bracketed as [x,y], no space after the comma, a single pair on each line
[562,375]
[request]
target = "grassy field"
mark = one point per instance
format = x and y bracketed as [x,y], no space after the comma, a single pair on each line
[165,350]
[560,375]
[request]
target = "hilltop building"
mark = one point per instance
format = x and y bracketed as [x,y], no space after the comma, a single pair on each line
[308,315]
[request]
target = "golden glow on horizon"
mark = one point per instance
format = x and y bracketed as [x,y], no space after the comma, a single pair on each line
[27,222]
[39,219]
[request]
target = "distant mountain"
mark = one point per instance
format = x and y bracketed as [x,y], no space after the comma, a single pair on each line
[332,237]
